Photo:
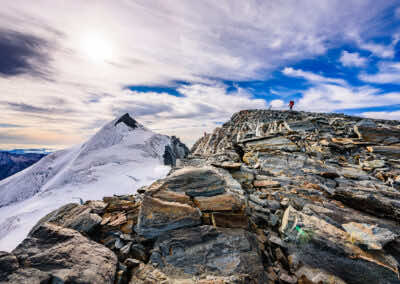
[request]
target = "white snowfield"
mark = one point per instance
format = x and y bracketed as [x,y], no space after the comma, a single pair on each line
[116,160]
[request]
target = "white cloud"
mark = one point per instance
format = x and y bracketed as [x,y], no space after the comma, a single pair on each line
[156,42]
[392,115]
[327,98]
[352,59]
[310,76]
[389,72]
[277,104]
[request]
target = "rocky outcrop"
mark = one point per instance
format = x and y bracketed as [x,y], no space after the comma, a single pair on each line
[323,188]
[269,197]
[176,150]
[53,254]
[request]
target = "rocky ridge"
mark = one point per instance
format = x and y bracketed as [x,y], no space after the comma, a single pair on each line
[269,197]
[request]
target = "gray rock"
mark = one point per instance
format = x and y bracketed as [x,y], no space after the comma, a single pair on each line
[8,264]
[218,251]
[73,216]
[157,217]
[192,181]
[308,234]
[65,255]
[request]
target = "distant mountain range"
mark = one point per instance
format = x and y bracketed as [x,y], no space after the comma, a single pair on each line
[29,151]
[17,160]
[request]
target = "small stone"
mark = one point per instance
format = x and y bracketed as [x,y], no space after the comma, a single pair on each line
[126,249]
[130,262]
[138,251]
[119,243]
[266,183]
[288,279]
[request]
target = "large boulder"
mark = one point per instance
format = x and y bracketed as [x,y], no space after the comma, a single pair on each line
[317,245]
[214,251]
[59,255]
[157,217]
[192,181]
[369,131]
[73,216]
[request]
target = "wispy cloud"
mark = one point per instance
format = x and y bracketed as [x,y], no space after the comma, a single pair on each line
[311,77]
[389,72]
[326,97]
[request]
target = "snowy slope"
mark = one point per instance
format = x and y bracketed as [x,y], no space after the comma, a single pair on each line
[117,160]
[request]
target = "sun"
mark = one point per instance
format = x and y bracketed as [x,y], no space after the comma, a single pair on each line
[97,48]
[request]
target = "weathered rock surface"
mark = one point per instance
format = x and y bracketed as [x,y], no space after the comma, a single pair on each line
[209,250]
[73,216]
[193,182]
[157,217]
[369,131]
[60,255]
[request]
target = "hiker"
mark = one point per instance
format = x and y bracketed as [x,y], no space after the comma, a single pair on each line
[291,104]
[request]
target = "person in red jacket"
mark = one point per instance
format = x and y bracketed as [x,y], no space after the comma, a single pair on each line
[291,104]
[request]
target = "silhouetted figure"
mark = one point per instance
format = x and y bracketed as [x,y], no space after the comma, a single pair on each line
[291,104]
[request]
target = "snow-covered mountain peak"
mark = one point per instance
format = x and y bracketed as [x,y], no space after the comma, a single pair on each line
[121,157]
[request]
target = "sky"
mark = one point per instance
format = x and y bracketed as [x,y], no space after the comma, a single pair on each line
[184,67]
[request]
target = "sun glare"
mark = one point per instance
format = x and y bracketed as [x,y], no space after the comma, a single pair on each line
[97,48]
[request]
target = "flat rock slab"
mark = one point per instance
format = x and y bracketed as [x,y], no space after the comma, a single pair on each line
[388,151]
[61,255]
[316,243]
[157,217]
[205,249]
[370,235]
[368,131]
[192,181]
[277,143]
[266,183]
[172,196]
[222,202]
[73,216]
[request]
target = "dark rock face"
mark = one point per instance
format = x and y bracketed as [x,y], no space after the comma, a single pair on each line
[8,264]
[73,216]
[176,150]
[128,120]
[193,182]
[59,255]
[209,250]
[12,163]
[157,217]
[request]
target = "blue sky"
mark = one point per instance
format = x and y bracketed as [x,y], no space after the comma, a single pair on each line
[183,68]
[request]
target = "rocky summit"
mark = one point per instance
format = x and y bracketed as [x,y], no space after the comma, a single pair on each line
[268,197]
